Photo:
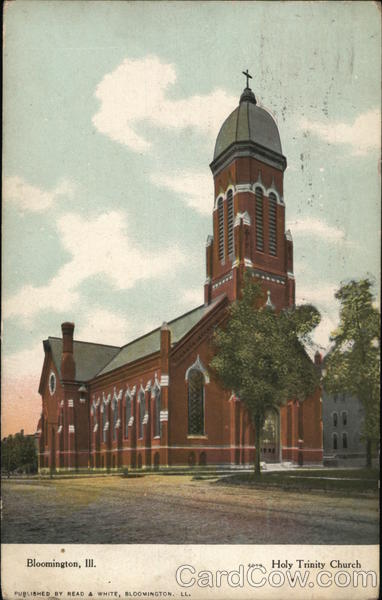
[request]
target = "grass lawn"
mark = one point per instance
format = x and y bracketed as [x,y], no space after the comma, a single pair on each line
[353,481]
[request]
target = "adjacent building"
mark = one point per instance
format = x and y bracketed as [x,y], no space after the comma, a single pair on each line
[342,429]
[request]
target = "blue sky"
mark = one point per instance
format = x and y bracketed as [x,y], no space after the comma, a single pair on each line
[111,113]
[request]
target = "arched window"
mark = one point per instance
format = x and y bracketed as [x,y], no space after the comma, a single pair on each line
[221,228]
[272,224]
[344,418]
[141,400]
[127,413]
[335,419]
[344,440]
[157,398]
[335,441]
[93,413]
[104,421]
[259,219]
[195,402]
[115,417]
[230,221]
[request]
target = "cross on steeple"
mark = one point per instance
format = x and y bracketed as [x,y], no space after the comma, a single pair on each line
[248,76]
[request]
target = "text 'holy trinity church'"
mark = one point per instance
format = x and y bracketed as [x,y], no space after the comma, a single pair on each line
[154,402]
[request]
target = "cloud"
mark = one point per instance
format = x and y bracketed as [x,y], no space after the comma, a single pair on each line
[317,294]
[103,326]
[321,295]
[31,198]
[23,363]
[193,187]
[137,90]
[20,401]
[323,330]
[363,135]
[193,297]
[98,247]
[318,228]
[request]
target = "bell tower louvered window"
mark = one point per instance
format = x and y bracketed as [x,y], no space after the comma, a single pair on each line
[141,413]
[127,414]
[259,220]
[221,228]
[230,222]
[272,224]
[195,402]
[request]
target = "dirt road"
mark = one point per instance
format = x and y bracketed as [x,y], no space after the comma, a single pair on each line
[179,510]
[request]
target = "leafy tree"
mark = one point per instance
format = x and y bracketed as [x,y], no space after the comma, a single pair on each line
[18,452]
[353,362]
[260,355]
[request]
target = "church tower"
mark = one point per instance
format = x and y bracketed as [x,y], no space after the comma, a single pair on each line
[249,210]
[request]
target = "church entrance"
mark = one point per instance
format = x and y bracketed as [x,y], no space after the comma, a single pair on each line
[270,443]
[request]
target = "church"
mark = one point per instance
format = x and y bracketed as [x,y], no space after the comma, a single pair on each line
[154,403]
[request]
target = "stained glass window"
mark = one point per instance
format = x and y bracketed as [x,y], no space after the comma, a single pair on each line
[141,413]
[127,414]
[104,421]
[115,418]
[195,402]
[157,413]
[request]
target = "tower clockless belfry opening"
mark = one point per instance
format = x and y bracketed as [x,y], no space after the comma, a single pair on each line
[249,209]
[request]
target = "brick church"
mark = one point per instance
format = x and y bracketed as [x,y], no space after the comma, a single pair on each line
[154,402]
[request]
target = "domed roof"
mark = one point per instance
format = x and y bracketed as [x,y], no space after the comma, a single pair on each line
[248,123]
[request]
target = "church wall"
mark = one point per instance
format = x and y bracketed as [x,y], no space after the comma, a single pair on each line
[215,443]
[119,451]
[49,424]
[245,170]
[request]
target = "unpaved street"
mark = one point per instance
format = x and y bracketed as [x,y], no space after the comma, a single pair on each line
[179,510]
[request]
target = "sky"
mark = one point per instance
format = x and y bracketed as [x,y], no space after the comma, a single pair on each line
[111,111]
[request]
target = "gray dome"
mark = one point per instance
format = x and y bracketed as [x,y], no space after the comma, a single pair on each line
[248,123]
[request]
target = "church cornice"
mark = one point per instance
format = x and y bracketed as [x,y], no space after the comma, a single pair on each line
[248,149]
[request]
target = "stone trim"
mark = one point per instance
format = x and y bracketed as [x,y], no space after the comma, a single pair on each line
[164,381]
[200,367]
[163,415]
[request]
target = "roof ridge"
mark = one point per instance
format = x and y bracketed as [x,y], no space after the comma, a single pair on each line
[158,328]
[53,337]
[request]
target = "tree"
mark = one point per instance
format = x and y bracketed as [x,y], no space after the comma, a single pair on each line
[353,362]
[19,452]
[259,354]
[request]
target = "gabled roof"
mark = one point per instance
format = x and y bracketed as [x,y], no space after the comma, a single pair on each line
[89,357]
[150,342]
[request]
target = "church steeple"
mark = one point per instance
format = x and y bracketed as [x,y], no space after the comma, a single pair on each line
[249,209]
[247,95]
